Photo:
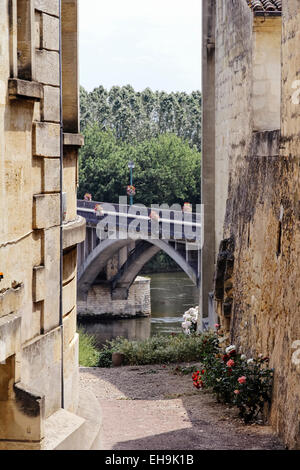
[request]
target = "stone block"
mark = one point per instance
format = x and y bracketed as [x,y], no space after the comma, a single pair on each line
[74,232]
[39,287]
[63,431]
[70,327]
[46,211]
[51,175]
[41,368]
[52,277]
[38,29]
[51,104]
[50,33]
[25,89]
[11,300]
[74,140]
[47,67]
[10,336]
[21,408]
[47,6]
[69,265]
[69,296]
[46,139]
[71,374]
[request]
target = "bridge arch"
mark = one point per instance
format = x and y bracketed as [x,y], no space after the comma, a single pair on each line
[145,250]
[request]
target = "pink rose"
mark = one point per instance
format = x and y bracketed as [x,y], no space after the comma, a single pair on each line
[242,380]
[230,363]
[237,392]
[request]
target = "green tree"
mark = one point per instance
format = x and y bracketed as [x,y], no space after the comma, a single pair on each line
[167,169]
[136,116]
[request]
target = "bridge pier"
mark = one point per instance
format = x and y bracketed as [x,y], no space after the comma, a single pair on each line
[108,269]
[125,303]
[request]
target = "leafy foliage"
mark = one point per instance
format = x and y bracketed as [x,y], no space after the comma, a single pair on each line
[236,381]
[167,169]
[138,116]
[88,353]
[159,349]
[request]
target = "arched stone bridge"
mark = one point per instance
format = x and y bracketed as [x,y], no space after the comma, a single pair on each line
[116,259]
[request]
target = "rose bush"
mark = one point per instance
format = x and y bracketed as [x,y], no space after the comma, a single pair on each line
[235,380]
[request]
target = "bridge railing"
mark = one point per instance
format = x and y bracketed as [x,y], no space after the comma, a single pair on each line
[158,222]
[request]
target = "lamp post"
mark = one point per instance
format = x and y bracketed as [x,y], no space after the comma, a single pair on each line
[131,166]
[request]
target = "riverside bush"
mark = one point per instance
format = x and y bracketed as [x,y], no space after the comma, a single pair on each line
[237,381]
[88,353]
[159,349]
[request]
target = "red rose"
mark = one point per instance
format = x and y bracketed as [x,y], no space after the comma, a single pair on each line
[230,363]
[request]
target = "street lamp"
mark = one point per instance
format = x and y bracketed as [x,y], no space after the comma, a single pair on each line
[131,167]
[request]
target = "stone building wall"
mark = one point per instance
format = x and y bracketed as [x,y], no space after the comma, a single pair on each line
[38,339]
[99,301]
[233,119]
[258,269]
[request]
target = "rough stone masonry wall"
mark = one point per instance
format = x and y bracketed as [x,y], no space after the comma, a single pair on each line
[100,303]
[262,218]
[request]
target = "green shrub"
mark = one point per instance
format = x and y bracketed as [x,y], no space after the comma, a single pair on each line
[105,358]
[160,349]
[88,353]
[236,381]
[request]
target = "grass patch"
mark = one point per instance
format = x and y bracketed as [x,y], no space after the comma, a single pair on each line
[88,353]
[159,349]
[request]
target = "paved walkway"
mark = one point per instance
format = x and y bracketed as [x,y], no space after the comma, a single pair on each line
[151,408]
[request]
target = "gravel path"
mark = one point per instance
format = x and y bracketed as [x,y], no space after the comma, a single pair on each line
[151,408]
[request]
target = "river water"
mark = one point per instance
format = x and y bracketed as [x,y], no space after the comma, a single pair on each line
[171,295]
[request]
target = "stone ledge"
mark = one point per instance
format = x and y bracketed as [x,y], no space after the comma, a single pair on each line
[63,431]
[73,140]
[24,89]
[74,232]
[10,335]
[90,410]
[11,300]
[80,431]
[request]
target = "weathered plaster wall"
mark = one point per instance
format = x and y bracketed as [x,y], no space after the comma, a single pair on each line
[266,86]
[262,218]
[233,98]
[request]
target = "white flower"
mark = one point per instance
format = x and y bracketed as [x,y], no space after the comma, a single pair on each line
[243,357]
[186,325]
[187,317]
[230,348]
[250,361]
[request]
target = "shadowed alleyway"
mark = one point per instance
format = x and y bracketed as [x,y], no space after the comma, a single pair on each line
[151,408]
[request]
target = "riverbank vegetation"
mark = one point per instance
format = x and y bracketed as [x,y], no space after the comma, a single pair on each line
[159,349]
[88,353]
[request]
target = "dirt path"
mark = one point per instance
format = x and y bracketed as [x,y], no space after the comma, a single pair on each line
[150,408]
